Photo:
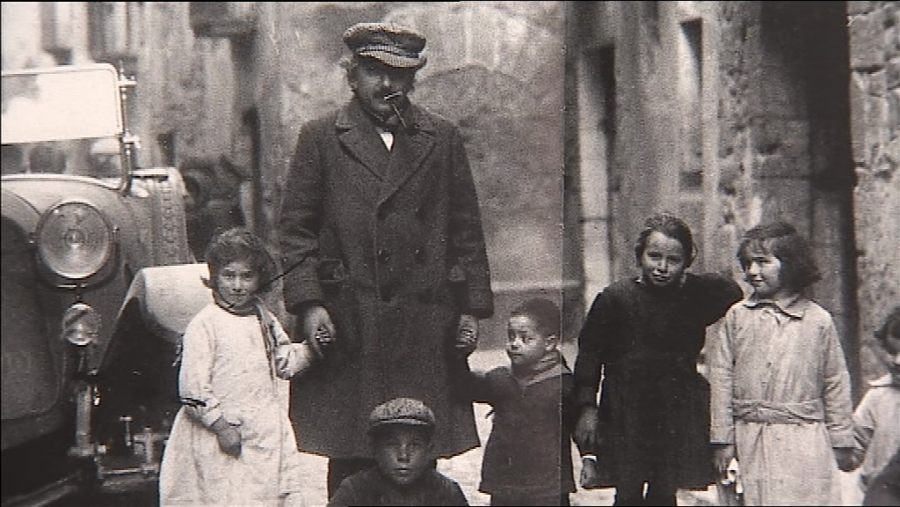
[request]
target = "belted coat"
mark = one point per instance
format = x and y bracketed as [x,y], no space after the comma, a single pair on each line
[391,243]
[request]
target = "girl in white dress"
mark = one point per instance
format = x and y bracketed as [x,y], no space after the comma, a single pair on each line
[232,442]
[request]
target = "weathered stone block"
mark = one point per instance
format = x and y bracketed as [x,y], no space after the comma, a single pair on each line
[891,158]
[893,125]
[778,94]
[857,8]
[827,218]
[720,253]
[777,136]
[785,199]
[858,132]
[729,176]
[892,74]
[867,41]
[876,201]
[877,83]
[876,124]
[779,166]
[892,37]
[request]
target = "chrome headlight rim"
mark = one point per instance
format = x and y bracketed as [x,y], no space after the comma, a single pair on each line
[98,232]
[81,324]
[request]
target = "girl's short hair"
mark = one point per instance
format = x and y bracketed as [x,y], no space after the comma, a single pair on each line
[239,244]
[543,312]
[781,239]
[891,327]
[671,226]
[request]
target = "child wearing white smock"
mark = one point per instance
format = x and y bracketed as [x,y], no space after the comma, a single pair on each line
[232,442]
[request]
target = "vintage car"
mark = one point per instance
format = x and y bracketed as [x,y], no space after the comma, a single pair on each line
[98,283]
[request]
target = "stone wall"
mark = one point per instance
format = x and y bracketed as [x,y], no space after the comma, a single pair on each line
[185,88]
[875,97]
[795,133]
[784,141]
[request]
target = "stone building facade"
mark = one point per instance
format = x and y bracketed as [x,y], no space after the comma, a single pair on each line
[734,113]
[875,134]
[581,118]
[239,79]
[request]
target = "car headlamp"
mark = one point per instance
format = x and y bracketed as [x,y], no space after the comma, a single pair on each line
[81,324]
[74,240]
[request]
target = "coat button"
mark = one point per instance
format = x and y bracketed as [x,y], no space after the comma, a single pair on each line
[420,255]
[384,256]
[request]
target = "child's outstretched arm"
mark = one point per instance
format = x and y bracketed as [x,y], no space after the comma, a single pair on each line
[291,359]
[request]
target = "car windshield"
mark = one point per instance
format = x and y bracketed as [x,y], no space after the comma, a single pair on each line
[62,120]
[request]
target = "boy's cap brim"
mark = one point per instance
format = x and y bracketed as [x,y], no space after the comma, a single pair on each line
[400,422]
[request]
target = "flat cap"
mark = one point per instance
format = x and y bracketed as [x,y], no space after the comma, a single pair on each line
[407,411]
[393,45]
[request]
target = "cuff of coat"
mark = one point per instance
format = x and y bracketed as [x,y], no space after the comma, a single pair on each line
[211,416]
[299,293]
[585,397]
[480,303]
[721,435]
[843,438]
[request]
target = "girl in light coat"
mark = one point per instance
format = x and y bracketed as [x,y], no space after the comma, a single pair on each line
[780,386]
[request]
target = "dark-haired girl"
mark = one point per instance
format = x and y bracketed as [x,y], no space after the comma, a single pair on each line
[232,442]
[644,335]
[780,388]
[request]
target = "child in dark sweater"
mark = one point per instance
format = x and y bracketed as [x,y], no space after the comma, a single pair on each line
[642,338]
[527,459]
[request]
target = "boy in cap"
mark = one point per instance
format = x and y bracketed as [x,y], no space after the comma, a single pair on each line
[400,432]
[384,255]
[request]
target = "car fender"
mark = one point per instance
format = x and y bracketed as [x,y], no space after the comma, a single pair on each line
[168,297]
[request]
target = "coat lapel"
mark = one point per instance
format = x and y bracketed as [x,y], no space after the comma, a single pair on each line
[411,146]
[358,135]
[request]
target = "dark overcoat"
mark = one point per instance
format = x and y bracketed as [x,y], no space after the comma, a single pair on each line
[391,243]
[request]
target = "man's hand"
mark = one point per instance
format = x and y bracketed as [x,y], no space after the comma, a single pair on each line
[466,335]
[588,479]
[229,437]
[317,327]
[722,457]
[846,461]
[586,428]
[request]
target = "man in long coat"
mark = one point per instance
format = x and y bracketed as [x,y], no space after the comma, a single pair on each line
[385,258]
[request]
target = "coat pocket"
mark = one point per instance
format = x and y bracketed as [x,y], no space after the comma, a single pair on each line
[331,273]
[342,304]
